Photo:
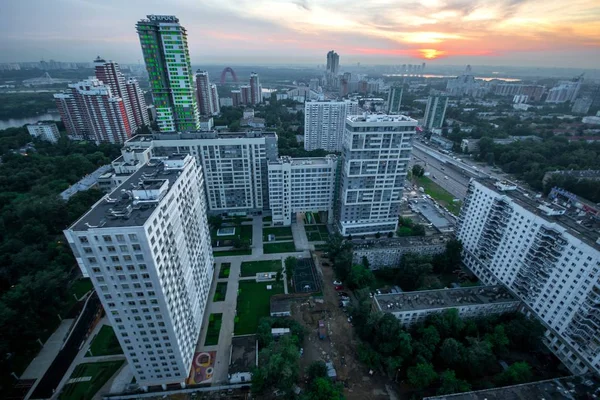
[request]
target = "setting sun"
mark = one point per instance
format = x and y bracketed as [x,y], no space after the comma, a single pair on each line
[431,54]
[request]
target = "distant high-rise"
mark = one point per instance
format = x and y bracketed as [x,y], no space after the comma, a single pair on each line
[214,96]
[564,91]
[164,44]
[324,123]
[236,97]
[246,92]
[89,110]
[375,155]
[435,112]
[110,74]
[137,102]
[394,99]
[255,89]
[204,95]
[333,62]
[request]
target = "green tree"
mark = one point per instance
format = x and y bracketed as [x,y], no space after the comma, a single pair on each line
[365,262]
[323,388]
[451,384]
[452,352]
[519,372]
[216,221]
[418,170]
[421,375]
[479,357]
[316,369]
[278,366]
[360,277]
[290,266]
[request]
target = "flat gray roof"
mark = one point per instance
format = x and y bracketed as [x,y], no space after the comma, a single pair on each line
[584,228]
[243,354]
[443,298]
[119,208]
[409,241]
[568,388]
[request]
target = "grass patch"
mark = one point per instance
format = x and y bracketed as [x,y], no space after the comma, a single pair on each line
[313,236]
[321,247]
[100,372]
[105,343]
[439,194]
[284,247]
[224,271]
[220,291]
[251,268]
[213,330]
[81,287]
[281,233]
[267,219]
[253,303]
[244,232]
[316,233]
[225,253]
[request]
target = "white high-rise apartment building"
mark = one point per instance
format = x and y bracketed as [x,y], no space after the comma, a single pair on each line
[214,95]
[47,131]
[203,90]
[324,123]
[146,247]
[435,112]
[547,254]
[234,165]
[375,155]
[301,185]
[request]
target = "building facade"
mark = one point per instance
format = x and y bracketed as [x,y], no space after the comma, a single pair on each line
[214,96]
[548,254]
[375,155]
[394,99]
[324,123]
[234,165]
[138,103]
[47,131]
[89,110]
[146,248]
[435,112]
[109,73]
[301,185]
[388,252]
[203,90]
[255,89]
[564,91]
[165,49]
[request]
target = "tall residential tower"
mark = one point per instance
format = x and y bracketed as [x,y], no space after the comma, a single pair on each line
[324,123]
[375,154]
[146,248]
[435,112]
[164,44]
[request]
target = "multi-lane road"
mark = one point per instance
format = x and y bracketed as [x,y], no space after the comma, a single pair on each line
[448,172]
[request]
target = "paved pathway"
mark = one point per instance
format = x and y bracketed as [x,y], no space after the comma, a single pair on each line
[257,235]
[300,233]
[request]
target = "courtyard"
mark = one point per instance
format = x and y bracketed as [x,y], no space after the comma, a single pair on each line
[253,303]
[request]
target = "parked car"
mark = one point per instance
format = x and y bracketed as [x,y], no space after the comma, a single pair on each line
[339,287]
[337,283]
[343,294]
[345,298]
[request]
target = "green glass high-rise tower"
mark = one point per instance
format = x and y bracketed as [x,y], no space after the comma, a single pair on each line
[164,44]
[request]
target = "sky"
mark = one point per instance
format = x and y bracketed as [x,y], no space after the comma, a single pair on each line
[554,33]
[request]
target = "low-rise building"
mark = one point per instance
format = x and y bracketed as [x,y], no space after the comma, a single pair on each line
[388,252]
[412,307]
[47,131]
[243,358]
[442,142]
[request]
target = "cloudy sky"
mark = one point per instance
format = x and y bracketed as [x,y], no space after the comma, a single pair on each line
[494,32]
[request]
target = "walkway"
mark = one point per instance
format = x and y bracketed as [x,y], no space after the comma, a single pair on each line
[257,235]
[299,233]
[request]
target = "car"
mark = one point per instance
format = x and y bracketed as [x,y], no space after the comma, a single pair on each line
[345,298]
[337,283]
[445,177]
[343,294]
[339,287]
[433,176]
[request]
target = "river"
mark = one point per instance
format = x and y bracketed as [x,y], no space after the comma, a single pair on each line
[483,78]
[19,122]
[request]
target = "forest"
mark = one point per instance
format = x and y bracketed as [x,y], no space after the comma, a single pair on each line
[37,267]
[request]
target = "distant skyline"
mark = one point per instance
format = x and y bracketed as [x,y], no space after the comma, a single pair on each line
[549,33]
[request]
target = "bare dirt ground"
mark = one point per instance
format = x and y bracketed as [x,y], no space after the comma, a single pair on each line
[339,345]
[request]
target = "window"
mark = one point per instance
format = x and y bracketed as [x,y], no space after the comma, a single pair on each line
[107,238]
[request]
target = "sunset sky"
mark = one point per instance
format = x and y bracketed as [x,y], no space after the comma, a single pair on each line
[499,32]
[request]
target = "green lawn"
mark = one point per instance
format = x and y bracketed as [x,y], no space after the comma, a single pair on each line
[253,303]
[220,291]
[251,268]
[224,271]
[80,287]
[313,236]
[225,253]
[283,247]
[439,194]
[100,372]
[267,219]
[280,232]
[316,233]
[244,232]
[321,247]
[105,343]
[214,328]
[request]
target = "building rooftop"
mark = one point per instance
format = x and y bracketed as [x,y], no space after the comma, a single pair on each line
[85,183]
[281,304]
[140,139]
[568,388]
[305,160]
[409,241]
[244,354]
[132,203]
[585,227]
[380,118]
[443,298]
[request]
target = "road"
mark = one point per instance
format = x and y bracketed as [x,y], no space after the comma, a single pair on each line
[457,181]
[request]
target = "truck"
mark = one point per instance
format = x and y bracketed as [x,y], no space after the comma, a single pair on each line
[322,331]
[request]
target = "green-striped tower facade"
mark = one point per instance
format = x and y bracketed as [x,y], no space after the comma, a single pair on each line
[165,48]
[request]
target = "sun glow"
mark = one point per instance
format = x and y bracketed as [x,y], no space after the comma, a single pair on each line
[431,54]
